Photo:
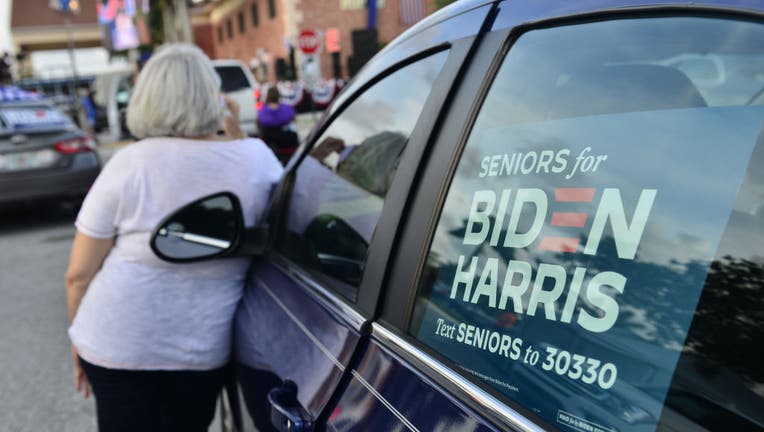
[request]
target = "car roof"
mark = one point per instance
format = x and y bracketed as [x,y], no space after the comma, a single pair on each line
[534,10]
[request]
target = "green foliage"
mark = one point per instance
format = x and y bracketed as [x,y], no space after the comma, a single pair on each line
[437,4]
[156,26]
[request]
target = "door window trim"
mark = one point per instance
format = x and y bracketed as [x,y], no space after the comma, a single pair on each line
[501,412]
[330,300]
[315,279]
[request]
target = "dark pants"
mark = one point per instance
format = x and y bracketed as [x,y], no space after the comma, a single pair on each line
[128,400]
[255,385]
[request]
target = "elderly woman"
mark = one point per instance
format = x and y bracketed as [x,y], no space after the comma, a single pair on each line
[151,337]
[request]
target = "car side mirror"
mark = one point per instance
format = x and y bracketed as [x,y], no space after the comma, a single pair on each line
[210,227]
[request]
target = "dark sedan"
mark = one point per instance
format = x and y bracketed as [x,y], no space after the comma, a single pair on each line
[43,155]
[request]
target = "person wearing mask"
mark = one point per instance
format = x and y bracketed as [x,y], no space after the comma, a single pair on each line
[275,123]
[152,338]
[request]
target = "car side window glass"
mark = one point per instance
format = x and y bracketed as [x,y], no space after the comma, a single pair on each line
[340,186]
[598,258]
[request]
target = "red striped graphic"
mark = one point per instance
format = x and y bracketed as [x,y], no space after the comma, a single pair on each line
[559,244]
[574,194]
[564,219]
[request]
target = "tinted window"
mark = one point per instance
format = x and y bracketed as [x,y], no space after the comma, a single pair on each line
[232,78]
[598,195]
[340,186]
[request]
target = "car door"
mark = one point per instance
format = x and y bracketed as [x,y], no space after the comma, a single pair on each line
[305,315]
[581,249]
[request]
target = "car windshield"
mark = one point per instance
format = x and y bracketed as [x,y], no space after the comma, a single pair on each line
[232,78]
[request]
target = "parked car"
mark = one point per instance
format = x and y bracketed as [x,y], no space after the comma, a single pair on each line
[521,215]
[43,155]
[239,84]
[61,92]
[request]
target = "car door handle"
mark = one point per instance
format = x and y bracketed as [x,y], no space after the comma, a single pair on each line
[287,415]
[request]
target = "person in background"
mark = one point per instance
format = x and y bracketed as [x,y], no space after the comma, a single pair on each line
[153,338]
[88,110]
[275,123]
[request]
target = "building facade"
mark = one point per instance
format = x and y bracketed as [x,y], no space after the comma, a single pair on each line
[263,33]
[36,27]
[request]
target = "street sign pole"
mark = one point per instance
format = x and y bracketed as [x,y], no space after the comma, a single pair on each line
[67,8]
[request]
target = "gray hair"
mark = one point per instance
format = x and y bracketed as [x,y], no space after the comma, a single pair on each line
[176,94]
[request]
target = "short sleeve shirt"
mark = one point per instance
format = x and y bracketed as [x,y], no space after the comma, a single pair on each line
[143,313]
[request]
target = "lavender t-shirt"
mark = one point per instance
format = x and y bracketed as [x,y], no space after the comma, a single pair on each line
[273,117]
[143,313]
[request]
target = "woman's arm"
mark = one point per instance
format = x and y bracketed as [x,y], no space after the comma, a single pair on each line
[85,260]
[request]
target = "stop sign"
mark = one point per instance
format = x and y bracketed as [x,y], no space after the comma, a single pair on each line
[308,41]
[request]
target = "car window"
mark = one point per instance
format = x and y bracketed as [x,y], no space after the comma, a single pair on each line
[340,186]
[598,258]
[232,78]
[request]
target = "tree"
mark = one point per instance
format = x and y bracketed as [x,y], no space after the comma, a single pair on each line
[437,4]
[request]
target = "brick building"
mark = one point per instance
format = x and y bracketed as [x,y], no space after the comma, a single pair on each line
[35,26]
[262,33]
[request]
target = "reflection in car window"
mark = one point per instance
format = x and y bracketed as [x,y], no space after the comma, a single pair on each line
[608,181]
[341,186]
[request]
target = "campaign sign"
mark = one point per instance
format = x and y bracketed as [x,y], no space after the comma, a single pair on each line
[19,119]
[570,256]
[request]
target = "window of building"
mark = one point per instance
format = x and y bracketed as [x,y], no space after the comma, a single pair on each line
[272,8]
[255,15]
[229,28]
[220,34]
[240,17]
[340,187]
[596,261]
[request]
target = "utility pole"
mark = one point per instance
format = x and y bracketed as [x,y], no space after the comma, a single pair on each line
[176,21]
[70,43]
[184,22]
[67,8]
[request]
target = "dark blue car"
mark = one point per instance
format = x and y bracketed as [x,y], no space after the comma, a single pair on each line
[521,215]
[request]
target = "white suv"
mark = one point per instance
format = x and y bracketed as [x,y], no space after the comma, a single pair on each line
[239,85]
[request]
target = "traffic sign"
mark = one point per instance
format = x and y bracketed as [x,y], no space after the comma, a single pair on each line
[308,42]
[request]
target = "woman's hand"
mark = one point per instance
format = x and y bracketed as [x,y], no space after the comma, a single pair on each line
[231,122]
[81,382]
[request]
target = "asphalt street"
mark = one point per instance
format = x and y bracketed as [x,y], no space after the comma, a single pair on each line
[36,373]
